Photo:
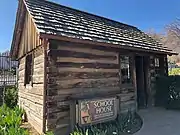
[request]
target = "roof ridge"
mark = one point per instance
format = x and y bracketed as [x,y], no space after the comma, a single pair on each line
[95,15]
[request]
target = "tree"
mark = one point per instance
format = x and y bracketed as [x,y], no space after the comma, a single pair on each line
[174,28]
[170,39]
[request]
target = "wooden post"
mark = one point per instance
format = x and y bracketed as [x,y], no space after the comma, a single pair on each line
[134,78]
[148,82]
[72,115]
[166,65]
[45,44]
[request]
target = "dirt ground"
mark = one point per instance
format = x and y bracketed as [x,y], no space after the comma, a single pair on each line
[31,130]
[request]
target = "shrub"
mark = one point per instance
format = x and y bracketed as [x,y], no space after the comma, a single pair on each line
[10,121]
[11,96]
[168,92]
[174,71]
[162,90]
[124,124]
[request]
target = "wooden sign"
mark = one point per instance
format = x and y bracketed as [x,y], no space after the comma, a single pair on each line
[97,111]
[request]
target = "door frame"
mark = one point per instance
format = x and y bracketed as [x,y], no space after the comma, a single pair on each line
[142,81]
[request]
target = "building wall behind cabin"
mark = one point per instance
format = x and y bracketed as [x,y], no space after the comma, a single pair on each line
[79,71]
[31,97]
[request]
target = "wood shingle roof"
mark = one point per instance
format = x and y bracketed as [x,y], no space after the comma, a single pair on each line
[55,19]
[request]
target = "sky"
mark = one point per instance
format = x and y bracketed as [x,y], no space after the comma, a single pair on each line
[144,14]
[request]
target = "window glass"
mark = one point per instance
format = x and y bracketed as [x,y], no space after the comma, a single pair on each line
[156,62]
[125,69]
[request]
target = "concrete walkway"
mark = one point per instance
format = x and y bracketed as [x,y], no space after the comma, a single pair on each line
[158,121]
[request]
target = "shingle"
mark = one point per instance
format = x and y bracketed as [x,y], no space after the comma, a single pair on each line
[52,18]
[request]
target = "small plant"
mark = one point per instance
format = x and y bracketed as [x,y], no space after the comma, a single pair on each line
[125,124]
[11,96]
[49,133]
[10,121]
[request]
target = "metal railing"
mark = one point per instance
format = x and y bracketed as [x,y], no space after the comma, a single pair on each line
[8,73]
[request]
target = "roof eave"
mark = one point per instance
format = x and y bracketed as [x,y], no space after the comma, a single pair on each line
[64,38]
[17,30]
[173,53]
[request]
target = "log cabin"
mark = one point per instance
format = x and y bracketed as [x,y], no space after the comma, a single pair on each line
[67,56]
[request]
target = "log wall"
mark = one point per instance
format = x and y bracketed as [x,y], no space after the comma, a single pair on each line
[31,97]
[79,71]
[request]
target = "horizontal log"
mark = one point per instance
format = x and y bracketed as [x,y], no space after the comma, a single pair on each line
[127,103]
[65,53]
[40,65]
[83,60]
[32,117]
[58,109]
[83,48]
[54,103]
[40,55]
[55,44]
[58,115]
[38,72]
[87,83]
[127,89]
[56,70]
[39,58]
[79,93]
[36,125]
[126,106]
[62,121]
[33,90]
[60,126]
[80,75]
[38,80]
[127,97]
[39,62]
[31,114]
[87,65]
[36,108]
[32,97]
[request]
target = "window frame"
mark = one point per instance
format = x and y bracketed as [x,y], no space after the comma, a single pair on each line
[28,72]
[157,62]
[130,70]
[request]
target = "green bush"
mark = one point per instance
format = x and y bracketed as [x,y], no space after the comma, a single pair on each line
[124,124]
[11,96]
[174,71]
[11,120]
[168,92]
[162,90]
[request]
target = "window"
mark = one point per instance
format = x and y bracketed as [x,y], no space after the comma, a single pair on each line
[125,69]
[157,66]
[156,60]
[28,69]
